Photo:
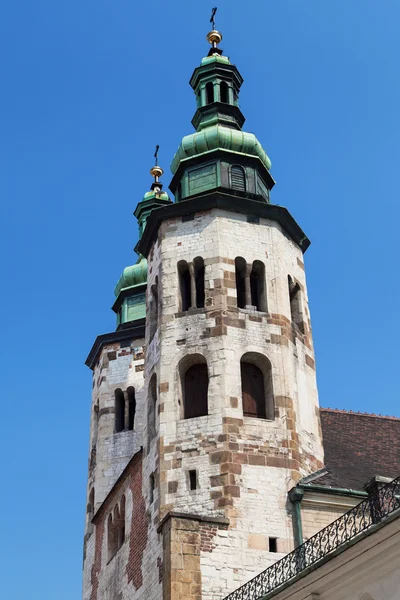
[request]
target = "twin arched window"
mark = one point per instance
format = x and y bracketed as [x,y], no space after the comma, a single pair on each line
[250,284]
[125,408]
[223,92]
[116,528]
[191,284]
[256,382]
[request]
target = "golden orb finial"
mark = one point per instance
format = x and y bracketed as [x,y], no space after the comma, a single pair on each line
[214,37]
[156,172]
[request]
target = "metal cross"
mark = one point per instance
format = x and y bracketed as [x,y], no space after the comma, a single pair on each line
[156,154]
[212,20]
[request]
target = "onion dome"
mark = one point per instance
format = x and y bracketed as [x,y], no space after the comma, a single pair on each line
[130,291]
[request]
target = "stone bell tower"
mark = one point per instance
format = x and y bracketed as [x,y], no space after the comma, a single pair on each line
[205,404]
[235,421]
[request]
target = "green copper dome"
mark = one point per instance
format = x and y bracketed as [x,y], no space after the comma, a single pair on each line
[215,58]
[219,137]
[132,276]
[155,194]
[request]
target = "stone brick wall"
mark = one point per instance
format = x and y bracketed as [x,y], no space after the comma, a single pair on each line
[131,573]
[320,509]
[118,366]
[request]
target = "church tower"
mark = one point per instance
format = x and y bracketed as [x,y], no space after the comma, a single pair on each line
[205,406]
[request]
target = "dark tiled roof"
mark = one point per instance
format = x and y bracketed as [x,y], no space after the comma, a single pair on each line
[357,447]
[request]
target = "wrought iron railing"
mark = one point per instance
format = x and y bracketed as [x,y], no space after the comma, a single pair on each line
[370,511]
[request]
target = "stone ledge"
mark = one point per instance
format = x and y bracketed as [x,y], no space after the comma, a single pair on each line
[192,517]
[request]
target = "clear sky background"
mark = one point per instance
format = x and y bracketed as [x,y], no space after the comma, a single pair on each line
[88,88]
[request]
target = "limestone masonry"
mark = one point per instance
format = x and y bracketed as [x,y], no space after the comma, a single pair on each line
[205,425]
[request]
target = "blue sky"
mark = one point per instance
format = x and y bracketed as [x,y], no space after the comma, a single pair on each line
[88,89]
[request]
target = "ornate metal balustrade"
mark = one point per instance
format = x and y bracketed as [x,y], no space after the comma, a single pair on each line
[369,512]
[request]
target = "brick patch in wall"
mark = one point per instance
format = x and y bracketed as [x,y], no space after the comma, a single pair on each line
[310,362]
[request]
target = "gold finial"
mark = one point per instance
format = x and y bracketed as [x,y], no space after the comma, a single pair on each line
[214,37]
[156,171]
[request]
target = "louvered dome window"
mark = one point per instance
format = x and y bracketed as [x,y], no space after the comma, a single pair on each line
[238,178]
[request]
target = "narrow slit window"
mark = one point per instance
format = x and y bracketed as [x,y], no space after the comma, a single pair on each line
[199,271]
[152,405]
[238,178]
[152,487]
[193,479]
[184,286]
[119,410]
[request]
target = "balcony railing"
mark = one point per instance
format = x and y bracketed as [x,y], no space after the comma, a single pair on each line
[369,512]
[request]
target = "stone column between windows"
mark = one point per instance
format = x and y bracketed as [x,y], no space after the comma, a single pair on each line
[192,286]
[247,288]
[126,411]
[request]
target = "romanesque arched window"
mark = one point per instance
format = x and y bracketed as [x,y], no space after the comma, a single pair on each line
[112,538]
[238,178]
[130,392]
[194,384]
[119,410]
[257,286]
[257,389]
[198,267]
[240,275]
[151,408]
[223,90]
[209,92]
[185,291]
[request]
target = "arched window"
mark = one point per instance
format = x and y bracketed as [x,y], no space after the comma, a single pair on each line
[90,511]
[184,286]
[209,92]
[223,90]
[257,286]
[240,275]
[120,522]
[257,389]
[198,265]
[153,308]
[151,410]
[194,383]
[238,178]
[112,538]
[295,303]
[95,423]
[119,410]
[131,407]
